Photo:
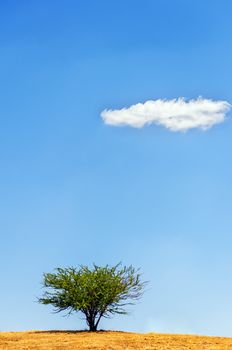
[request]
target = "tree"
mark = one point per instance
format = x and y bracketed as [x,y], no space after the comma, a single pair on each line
[96,292]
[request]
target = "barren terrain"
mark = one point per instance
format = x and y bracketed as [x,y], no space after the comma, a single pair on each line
[70,340]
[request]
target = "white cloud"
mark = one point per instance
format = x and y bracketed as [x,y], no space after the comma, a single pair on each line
[169,325]
[175,115]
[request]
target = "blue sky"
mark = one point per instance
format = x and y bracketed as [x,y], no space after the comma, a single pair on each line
[75,191]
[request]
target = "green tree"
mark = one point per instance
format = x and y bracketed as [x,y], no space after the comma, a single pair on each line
[96,292]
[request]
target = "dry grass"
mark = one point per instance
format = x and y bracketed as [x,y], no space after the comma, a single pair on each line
[69,340]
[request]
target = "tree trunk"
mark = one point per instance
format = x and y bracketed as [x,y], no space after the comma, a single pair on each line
[93,322]
[100,316]
[92,328]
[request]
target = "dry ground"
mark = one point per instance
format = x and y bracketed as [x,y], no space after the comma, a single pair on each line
[70,340]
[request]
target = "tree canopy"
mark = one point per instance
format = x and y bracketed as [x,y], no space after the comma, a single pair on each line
[95,292]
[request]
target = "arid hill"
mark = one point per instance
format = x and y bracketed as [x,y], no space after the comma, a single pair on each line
[70,340]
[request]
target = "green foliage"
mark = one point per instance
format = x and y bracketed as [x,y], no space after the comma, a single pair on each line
[97,292]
